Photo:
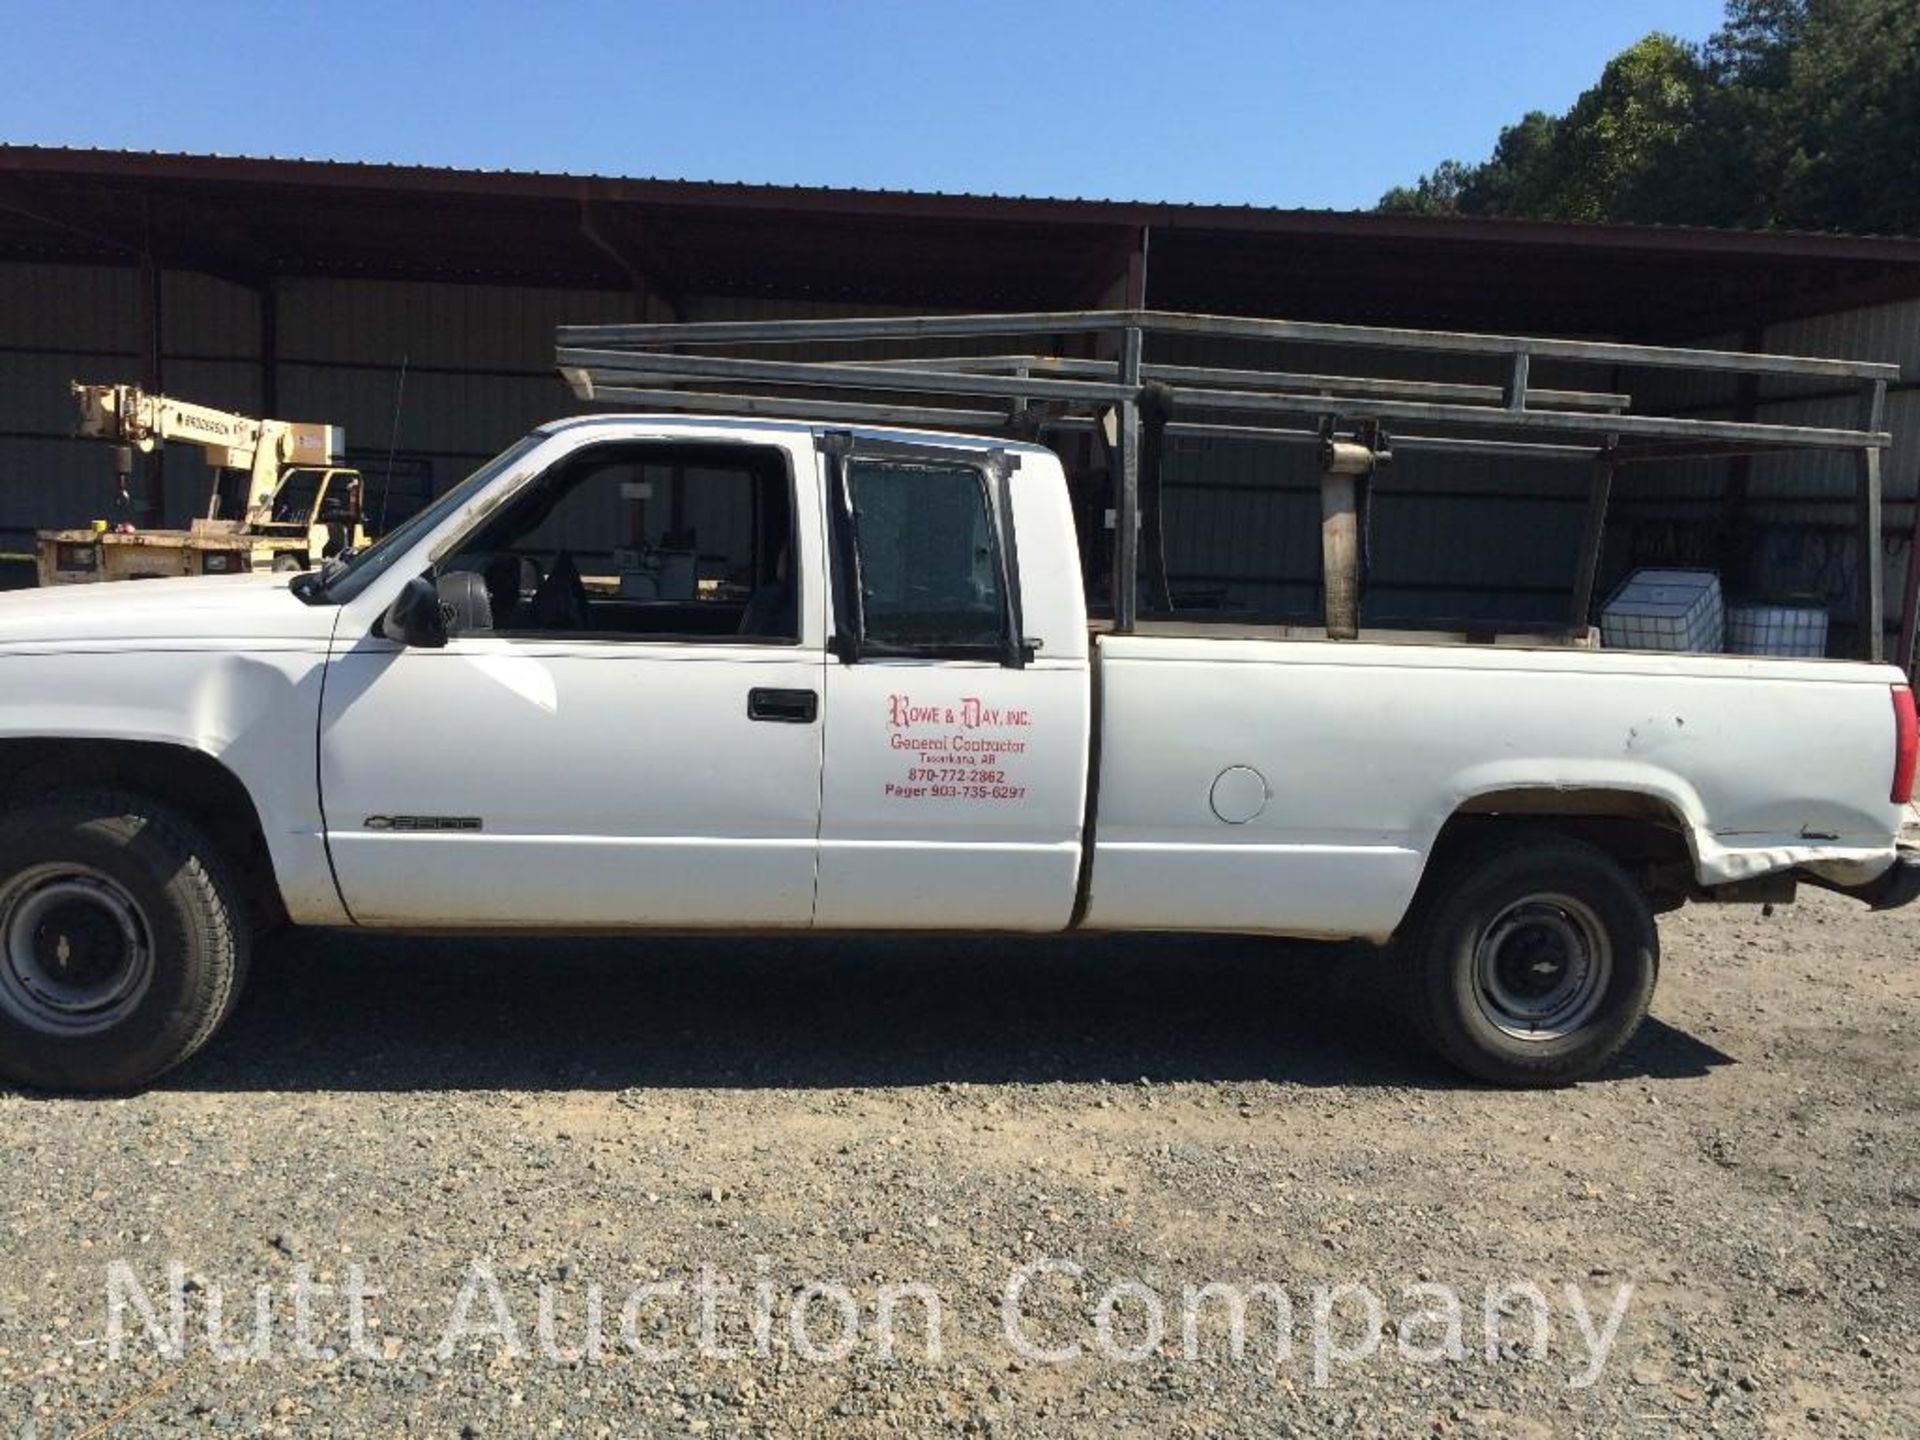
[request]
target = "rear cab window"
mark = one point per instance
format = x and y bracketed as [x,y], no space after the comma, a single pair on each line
[930,568]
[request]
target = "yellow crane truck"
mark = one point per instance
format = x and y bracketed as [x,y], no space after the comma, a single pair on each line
[300,507]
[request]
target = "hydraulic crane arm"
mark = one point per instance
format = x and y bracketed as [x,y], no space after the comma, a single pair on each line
[262,448]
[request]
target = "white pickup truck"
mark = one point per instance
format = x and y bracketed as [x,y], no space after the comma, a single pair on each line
[845,680]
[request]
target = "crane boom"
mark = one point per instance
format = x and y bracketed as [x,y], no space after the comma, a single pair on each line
[262,448]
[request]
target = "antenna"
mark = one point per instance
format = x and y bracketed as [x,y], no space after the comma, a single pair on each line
[393,444]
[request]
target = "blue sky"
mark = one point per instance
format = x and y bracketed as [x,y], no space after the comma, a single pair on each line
[1293,102]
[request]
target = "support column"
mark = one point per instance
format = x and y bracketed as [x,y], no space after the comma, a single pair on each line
[1870,567]
[1908,657]
[152,505]
[1126,512]
[1156,409]
[1734,550]
[1126,290]
[269,300]
[1593,534]
[652,304]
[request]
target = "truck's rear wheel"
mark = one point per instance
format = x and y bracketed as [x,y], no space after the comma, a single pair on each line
[120,942]
[1531,961]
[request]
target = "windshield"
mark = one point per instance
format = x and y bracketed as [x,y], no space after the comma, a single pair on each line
[293,502]
[340,580]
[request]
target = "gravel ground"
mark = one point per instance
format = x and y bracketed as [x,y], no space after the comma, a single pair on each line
[586,1117]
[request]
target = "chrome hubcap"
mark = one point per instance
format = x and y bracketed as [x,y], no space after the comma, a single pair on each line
[1541,969]
[78,952]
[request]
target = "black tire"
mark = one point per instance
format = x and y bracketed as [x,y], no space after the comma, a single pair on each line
[286,562]
[1530,910]
[110,885]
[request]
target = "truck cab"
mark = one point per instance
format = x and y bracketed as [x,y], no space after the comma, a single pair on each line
[750,675]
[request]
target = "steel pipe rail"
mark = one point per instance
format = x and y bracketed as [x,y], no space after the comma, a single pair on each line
[602,369]
[609,366]
[787,408]
[1166,322]
[1030,390]
[1287,381]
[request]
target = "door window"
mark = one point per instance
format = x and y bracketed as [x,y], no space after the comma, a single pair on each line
[638,542]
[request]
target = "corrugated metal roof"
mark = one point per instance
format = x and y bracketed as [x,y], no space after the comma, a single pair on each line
[284,169]
[253,220]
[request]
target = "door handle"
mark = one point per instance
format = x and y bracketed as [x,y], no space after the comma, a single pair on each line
[789,707]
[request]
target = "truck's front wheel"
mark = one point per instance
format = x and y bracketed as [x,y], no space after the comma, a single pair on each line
[1531,960]
[120,942]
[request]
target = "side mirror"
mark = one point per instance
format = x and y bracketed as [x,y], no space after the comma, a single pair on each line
[415,617]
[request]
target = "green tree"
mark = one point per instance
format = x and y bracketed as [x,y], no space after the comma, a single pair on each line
[1852,105]
[1513,182]
[1615,154]
[1802,113]
[1435,193]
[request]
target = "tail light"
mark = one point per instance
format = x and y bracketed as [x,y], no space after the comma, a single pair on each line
[1906,738]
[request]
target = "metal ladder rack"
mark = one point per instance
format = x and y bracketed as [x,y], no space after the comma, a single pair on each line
[1113,389]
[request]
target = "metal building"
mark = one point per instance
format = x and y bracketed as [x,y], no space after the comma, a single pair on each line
[416,307]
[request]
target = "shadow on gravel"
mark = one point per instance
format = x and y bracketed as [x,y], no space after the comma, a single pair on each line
[349,1012]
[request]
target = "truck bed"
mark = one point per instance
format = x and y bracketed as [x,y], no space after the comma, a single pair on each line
[1297,786]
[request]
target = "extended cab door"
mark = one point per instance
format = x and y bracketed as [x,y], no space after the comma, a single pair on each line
[957,695]
[624,728]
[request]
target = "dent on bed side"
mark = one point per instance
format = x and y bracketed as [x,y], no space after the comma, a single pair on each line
[1673,810]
